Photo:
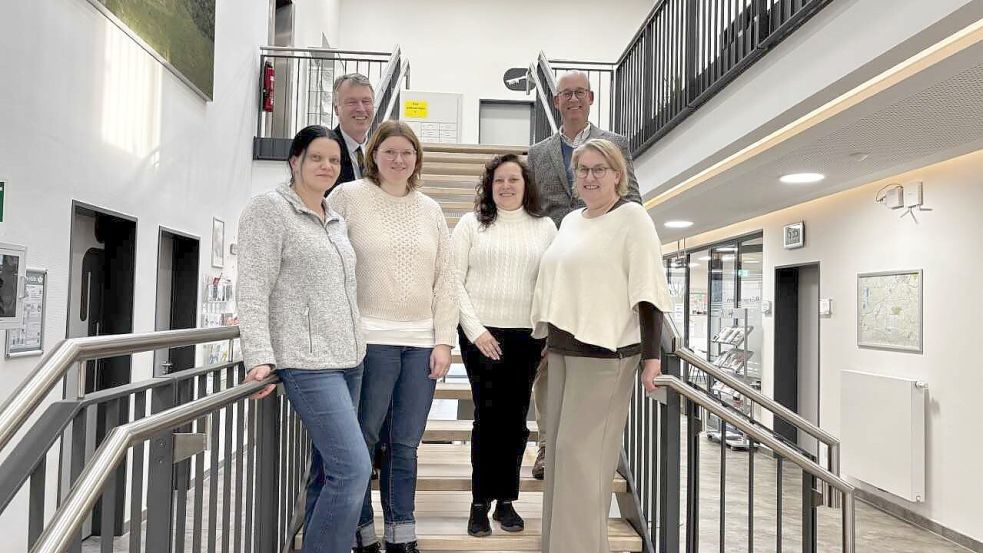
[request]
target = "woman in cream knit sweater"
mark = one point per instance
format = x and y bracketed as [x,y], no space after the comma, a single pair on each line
[407,295]
[497,249]
[599,300]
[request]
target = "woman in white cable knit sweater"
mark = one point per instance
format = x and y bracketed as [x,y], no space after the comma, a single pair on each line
[497,249]
[407,295]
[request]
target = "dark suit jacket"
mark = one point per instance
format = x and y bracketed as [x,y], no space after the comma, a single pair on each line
[347,172]
[555,191]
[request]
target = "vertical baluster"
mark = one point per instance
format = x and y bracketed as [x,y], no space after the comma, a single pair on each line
[182,473]
[137,478]
[239,418]
[107,516]
[213,470]
[78,460]
[160,477]
[778,533]
[723,484]
[35,520]
[250,452]
[693,425]
[750,494]
[809,523]
[198,512]
[227,464]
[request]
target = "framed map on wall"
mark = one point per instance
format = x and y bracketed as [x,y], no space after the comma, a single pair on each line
[179,33]
[889,310]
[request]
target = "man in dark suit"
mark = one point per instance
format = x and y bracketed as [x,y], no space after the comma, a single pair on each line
[354,106]
[549,162]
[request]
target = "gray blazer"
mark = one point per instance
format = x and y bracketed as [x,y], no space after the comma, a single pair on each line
[556,193]
[298,305]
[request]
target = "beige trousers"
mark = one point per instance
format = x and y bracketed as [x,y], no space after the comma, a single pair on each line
[586,410]
[539,387]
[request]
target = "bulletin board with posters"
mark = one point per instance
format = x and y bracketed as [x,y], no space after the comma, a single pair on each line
[29,338]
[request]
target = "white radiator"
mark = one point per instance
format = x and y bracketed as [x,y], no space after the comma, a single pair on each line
[884,432]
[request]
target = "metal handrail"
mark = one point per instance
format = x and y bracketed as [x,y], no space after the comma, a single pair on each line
[777,409]
[404,69]
[53,366]
[323,50]
[543,97]
[782,449]
[387,75]
[88,488]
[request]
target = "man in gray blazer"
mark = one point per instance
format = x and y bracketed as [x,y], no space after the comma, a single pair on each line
[549,162]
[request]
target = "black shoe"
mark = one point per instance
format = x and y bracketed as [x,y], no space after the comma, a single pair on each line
[374,548]
[508,518]
[478,525]
[408,547]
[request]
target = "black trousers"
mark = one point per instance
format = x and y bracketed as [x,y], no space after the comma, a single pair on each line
[501,391]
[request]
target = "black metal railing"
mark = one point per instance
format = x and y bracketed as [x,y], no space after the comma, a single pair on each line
[224,477]
[685,52]
[296,90]
[684,496]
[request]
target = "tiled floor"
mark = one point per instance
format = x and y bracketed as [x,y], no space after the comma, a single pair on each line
[877,532]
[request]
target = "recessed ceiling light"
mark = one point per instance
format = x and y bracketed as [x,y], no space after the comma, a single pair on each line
[679,224]
[802,178]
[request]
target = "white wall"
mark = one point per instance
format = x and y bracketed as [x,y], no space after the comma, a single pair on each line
[314,21]
[845,44]
[466,46]
[849,234]
[87,115]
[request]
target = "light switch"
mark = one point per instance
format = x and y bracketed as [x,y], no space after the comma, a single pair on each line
[825,307]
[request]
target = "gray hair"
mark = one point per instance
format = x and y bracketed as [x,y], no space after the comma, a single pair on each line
[356,79]
[574,73]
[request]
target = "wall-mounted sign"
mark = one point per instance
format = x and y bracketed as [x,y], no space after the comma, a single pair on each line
[415,109]
[516,79]
[29,338]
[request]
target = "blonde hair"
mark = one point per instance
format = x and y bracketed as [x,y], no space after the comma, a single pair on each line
[386,130]
[611,154]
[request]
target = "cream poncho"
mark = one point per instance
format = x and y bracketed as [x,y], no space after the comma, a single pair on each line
[596,272]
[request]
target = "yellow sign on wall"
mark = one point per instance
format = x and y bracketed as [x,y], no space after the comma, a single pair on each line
[415,109]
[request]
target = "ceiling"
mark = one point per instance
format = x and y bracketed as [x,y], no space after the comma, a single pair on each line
[933,115]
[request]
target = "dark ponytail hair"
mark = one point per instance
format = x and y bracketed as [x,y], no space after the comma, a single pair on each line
[484,201]
[303,139]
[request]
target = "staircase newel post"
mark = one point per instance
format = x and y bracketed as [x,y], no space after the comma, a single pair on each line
[267,473]
[669,462]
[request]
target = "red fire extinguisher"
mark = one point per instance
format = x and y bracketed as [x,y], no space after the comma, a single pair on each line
[268,80]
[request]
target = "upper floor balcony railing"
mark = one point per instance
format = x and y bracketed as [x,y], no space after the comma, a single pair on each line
[685,52]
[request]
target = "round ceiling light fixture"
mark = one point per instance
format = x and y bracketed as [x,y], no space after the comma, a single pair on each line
[802,178]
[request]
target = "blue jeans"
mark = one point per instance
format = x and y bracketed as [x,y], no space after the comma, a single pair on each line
[325,401]
[396,395]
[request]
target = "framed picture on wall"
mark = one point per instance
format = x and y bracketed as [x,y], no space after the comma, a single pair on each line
[29,338]
[889,310]
[794,236]
[218,243]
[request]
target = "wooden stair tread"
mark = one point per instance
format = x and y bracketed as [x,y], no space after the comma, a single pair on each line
[445,168]
[459,431]
[475,148]
[453,390]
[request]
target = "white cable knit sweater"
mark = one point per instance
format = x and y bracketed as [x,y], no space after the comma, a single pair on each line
[404,262]
[497,267]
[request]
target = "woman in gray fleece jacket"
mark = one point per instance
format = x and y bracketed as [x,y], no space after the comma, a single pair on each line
[298,315]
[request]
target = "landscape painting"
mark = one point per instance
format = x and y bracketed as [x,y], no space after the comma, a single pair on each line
[181,33]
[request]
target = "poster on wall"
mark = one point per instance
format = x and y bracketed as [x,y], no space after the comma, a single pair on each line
[218,243]
[29,338]
[179,33]
[889,310]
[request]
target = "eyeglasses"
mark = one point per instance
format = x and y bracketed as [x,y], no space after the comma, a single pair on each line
[391,155]
[598,171]
[354,102]
[580,93]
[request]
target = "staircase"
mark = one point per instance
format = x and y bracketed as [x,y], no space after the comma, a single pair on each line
[450,174]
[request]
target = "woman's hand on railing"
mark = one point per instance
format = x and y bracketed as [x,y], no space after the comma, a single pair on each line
[488,346]
[651,368]
[440,361]
[257,374]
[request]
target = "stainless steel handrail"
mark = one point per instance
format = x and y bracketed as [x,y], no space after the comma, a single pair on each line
[53,366]
[392,66]
[543,97]
[405,67]
[88,488]
[323,51]
[782,449]
[777,409]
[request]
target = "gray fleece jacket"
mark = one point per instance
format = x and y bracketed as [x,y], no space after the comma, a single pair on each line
[296,296]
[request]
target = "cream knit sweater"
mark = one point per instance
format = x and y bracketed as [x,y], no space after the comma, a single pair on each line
[404,264]
[596,272]
[497,267]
